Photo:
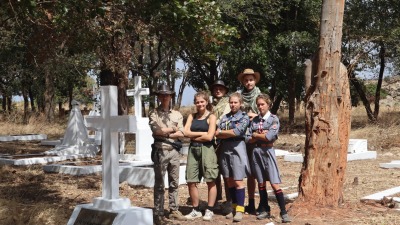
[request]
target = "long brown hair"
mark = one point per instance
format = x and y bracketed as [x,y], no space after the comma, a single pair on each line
[206,97]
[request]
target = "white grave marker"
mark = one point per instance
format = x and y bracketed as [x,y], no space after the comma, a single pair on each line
[143,136]
[357,146]
[110,124]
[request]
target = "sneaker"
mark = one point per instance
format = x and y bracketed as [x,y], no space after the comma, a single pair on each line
[229,216]
[193,215]
[176,215]
[264,215]
[238,217]
[208,215]
[286,218]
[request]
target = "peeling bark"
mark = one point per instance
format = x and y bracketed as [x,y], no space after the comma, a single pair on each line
[328,108]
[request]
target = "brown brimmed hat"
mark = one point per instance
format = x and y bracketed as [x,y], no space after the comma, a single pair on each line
[249,72]
[219,83]
[163,89]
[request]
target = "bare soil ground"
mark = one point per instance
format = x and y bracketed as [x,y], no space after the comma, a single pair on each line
[28,195]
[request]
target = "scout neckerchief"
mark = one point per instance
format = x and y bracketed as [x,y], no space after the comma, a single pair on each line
[265,117]
[249,98]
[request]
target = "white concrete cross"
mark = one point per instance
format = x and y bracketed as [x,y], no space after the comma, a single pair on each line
[109,123]
[143,136]
[137,93]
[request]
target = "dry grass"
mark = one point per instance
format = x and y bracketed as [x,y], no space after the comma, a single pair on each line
[11,124]
[30,196]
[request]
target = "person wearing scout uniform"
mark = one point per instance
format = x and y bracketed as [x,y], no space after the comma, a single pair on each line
[263,131]
[249,79]
[233,162]
[220,107]
[167,126]
[201,159]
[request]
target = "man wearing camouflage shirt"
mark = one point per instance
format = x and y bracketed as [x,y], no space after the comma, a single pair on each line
[220,108]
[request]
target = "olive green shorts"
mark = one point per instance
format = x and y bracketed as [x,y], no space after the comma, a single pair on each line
[201,163]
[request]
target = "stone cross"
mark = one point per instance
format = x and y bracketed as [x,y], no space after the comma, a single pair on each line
[109,123]
[137,93]
[143,136]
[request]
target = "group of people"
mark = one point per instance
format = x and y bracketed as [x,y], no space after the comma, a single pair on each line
[231,136]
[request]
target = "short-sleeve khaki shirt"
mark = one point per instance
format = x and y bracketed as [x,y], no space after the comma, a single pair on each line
[159,119]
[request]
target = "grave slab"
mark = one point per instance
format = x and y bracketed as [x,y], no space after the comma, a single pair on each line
[38,160]
[51,142]
[279,152]
[144,175]
[293,158]
[89,214]
[350,157]
[357,145]
[139,173]
[392,165]
[379,196]
[26,137]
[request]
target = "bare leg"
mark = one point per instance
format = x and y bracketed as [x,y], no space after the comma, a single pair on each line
[194,194]
[212,193]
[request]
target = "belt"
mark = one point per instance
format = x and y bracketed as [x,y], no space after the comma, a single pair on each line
[264,145]
[164,146]
[234,139]
[201,144]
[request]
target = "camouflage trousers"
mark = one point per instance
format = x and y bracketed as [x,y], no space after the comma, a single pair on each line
[167,161]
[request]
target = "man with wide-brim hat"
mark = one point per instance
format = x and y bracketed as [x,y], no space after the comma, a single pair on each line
[167,126]
[249,72]
[219,92]
[221,107]
[249,78]
[163,89]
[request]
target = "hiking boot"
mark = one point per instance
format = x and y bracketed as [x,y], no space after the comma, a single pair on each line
[250,209]
[229,216]
[238,217]
[193,215]
[208,215]
[176,215]
[285,218]
[264,215]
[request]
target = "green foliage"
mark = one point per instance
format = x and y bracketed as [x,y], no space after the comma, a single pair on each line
[370,90]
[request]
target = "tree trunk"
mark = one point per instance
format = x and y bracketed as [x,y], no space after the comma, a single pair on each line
[182,88]
[276,104]
[49,96]
[123,103]
[32,98]
[363,97]
[327,117]
[26,106]
[379,85]
[9,103]
[4,103]
[291,97]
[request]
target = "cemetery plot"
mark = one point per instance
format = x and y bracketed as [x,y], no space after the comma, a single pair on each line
[389,198]
[357,150]
[391,165]
[23,137]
